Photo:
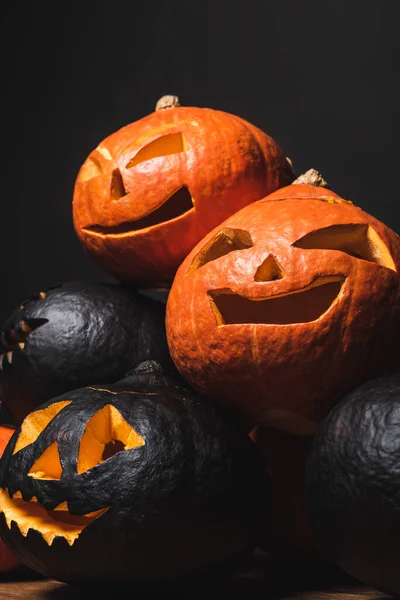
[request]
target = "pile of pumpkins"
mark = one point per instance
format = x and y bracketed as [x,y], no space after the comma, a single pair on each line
[258,406]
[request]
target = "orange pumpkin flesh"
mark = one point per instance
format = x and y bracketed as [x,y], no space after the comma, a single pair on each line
[7,559]
[286,306]
[150,191]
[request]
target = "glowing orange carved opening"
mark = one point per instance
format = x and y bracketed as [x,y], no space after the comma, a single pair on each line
[35,422]
[172,143]
[49,523]
[106,433]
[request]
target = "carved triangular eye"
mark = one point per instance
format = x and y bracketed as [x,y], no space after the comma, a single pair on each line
[36,422]
[357,239]
[106,433]
[225,241]
[48,465]
[269,270]
[171,143]
[89,170]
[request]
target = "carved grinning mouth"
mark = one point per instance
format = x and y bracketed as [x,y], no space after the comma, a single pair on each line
[15,339]
[179,203]
[302,306]
[106,434]
[50,523]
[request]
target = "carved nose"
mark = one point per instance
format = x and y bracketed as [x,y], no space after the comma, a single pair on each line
[117,188]
[269,270]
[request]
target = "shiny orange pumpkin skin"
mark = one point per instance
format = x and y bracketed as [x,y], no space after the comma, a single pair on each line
[286,306]
[151,190]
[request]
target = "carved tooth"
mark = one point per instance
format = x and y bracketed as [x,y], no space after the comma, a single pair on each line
[42,295]
[9,357]
[23,527]
[25,327]
[21,345]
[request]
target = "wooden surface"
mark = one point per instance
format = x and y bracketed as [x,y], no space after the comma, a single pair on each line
[260,579]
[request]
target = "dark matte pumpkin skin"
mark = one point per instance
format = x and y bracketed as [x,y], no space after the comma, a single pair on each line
[187,503]
[353,483]
[82,332]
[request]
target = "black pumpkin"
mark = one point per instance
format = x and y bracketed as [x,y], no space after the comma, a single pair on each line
[353,483]
[139,480]
[74,334]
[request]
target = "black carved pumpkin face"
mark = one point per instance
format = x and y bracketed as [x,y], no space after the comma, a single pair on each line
[129,481]
[73,334]
[105,433]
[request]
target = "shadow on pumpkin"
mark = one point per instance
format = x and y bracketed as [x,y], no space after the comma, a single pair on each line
[259,578]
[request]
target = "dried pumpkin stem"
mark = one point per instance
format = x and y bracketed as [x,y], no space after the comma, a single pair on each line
[311,177]
[167,102]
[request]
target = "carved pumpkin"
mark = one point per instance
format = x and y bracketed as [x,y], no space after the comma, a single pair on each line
[150,191]
[285,306]
[8,560]
[353,483]
[73,334]
[136,480]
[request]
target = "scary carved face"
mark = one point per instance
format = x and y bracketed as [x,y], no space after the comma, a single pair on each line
[48,502]
[98,485]
[286,305]
[149,192]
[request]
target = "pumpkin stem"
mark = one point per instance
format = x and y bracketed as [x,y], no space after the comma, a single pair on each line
[311,177]
[167,102]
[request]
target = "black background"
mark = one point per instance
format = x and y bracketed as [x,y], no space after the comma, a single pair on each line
[320,77]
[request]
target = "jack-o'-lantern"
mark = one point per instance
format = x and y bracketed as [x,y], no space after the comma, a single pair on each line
[151,190]
[72,334]
[288,304]
[139,480]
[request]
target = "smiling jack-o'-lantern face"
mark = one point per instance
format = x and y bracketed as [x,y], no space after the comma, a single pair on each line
[128,481]
[289,303]
[150,191]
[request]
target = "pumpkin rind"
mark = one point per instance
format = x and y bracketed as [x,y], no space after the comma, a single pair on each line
[353,485]
[185,500]
[73,334]
[280,329]
[215,161]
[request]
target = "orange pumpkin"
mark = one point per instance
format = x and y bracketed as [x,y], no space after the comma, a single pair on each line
[286,306]
[8,560]
[150,191]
